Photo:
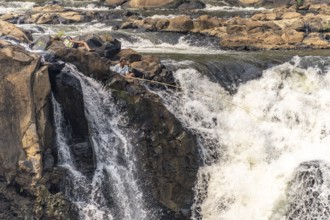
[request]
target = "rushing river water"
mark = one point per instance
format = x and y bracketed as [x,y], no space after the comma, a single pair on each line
[113,192]
[270,141]
[261,118]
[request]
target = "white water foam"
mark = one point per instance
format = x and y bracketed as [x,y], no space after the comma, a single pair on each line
[261,136]
[228,8]
[163,16]
[144,45]
[67,29]
[15,6]
[89,7]
[113,192]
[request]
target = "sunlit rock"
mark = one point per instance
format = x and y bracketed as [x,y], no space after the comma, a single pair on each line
[11,30]
[180,24]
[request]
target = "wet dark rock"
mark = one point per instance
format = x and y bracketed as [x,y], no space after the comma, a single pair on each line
[48,160]
[192,5]
[83,155]
[94,42]
[68,92]
[109,50]
[128,25]
[304,191]
[114,3]
[89,63]
[130,13]
[167,153]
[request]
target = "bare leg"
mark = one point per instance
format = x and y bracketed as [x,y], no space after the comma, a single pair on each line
[86,45]
[83,43]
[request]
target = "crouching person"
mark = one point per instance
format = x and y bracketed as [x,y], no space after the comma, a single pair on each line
[122,68]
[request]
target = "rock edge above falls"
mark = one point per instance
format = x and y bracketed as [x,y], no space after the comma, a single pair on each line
[32,185]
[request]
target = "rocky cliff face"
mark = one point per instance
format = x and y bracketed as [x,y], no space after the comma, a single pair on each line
[25,122]
[31,183]
[168,154]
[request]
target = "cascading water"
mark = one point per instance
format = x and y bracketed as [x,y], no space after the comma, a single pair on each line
[266,148]
[113,192]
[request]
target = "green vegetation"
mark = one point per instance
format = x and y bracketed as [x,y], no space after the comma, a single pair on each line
[299,2]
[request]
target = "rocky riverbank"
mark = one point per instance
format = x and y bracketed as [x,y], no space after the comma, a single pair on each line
[305,26]
[32,183]
[282,28]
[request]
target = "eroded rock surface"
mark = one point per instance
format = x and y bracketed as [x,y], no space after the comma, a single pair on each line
[31,183]
[25,122]
[282,28]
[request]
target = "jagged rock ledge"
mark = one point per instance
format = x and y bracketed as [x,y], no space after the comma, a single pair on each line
[305,27]
[31,183]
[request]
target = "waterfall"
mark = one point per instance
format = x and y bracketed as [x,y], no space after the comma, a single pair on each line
[113,192]
[266,148]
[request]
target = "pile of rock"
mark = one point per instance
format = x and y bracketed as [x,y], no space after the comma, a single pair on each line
[56,14]
[281,28]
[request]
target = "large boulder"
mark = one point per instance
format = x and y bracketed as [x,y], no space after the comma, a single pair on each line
[167,153]
[206,22]
[21,141]
[54,17]
[305,194]
[11,30]
[293,37]
[26,133]
[68,92]
[180,24]
[89,63]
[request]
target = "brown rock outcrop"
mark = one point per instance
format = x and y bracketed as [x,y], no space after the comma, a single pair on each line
[11,30]
[31,181]
[20,79]
[26,133]
[293,37]
[180,24]
[283,28]
[48,8]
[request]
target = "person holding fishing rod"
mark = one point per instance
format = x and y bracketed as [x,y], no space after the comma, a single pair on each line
[122,68]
